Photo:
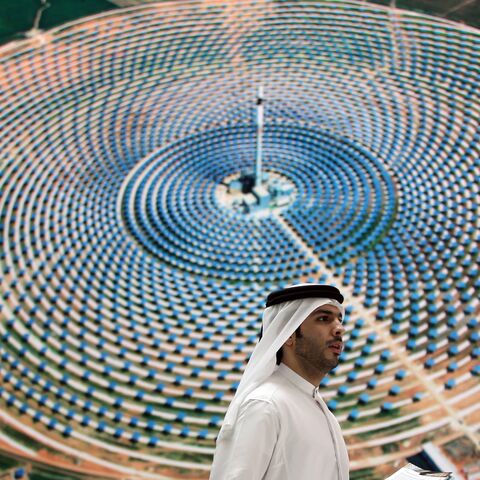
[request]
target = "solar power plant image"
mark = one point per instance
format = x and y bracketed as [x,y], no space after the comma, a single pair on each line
[148,206]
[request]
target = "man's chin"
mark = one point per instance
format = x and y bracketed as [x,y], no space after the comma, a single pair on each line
[333,363]
[327,365]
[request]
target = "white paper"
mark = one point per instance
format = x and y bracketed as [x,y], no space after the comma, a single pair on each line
[412,472]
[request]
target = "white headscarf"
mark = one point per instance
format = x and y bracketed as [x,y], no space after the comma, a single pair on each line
[279,322]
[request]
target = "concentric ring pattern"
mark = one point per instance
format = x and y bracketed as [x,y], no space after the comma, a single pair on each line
[132,296]
[170,206]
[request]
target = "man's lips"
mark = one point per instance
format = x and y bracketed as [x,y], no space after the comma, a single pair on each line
[336,347]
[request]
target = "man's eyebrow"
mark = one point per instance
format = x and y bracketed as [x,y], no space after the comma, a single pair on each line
[328,312]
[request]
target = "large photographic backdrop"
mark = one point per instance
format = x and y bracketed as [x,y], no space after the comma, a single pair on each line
[132,292]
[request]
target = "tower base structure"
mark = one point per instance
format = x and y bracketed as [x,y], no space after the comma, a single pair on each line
[242,194]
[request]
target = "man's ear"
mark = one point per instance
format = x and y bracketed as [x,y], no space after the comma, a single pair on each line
[290,340]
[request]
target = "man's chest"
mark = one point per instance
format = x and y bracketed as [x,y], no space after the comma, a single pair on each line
[304,447]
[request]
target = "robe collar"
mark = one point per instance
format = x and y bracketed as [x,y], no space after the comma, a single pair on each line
[293,377]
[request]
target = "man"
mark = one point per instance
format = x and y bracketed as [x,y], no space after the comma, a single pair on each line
[278,427]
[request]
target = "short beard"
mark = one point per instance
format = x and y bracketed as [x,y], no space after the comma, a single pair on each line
[314,357]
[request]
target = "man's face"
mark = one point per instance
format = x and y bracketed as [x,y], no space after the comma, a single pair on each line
[319,343]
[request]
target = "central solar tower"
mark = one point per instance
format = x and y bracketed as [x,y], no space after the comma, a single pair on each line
[258,192]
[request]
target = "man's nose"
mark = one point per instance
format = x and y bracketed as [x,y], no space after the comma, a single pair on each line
[338,329]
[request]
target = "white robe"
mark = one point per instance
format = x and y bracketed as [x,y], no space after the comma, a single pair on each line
[284,431]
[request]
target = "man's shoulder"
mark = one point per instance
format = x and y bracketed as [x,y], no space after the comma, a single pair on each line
[264,402]
[273,390]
